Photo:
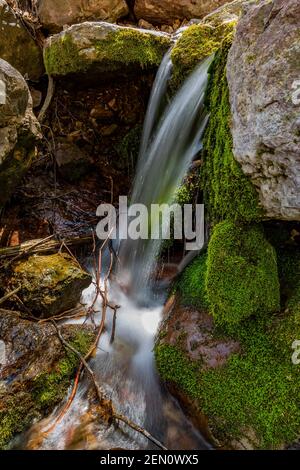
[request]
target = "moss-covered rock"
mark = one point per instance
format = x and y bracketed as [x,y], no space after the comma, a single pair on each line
[196,43]
[37,371]
[228,192]
[242,277]
[103,48]
[250,400]
[17,45]
[49,284]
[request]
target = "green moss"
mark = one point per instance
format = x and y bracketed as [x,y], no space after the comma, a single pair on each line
[257,390]
[62,57]
[50,387]
[129,46]
[42,393]
[191,284]
[228,192]
[242,278]
[118,48]
[195,44]
[128,148]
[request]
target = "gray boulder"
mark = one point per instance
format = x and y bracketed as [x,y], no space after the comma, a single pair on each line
[263,73]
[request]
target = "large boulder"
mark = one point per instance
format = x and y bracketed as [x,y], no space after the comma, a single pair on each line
[49,284]
[101,49]
[54,14]
[166,11]
[35,369]
[263,75]
[19,129]
[17,46]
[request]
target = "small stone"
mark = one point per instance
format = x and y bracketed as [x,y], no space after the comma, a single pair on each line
[145,24]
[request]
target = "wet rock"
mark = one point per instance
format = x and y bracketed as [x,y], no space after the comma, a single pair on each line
[49,284]
[72,161]
[166,11]
[54,14]
[263,72]
[19,130]
[38,370]
[17,46]
[102,49]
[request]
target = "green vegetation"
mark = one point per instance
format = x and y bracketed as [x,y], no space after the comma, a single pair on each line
[42,393]
[257,391]
[191,284]
[195,44]
[242,278]
[121,47]
[228,192]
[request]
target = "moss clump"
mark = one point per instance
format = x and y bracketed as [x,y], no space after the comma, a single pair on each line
[195,44]
[191,284]
[256,390]
[242,278]
[128,148]
[39,396]
[117,48]
[228,192]
[62,57]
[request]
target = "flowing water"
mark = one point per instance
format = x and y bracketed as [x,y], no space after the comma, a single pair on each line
[168,150]
[126,368]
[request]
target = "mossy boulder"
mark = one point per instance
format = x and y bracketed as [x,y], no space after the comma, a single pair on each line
[228,192]
[37,370]
[241,389]
[17,45]
[200,40]
[102,49]
[242,276]
[49,284]
[19,130]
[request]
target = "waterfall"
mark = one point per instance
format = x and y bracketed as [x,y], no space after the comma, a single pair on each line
[167,150]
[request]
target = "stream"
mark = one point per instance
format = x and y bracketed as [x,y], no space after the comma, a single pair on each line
[126,369]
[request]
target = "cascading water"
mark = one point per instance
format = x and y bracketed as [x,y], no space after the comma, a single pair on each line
[168,149]
[125,369]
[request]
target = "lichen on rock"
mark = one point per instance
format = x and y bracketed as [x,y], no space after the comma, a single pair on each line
[49,284]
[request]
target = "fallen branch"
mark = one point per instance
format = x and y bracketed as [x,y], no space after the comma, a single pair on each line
[45,245]
[48,99]
[9,294]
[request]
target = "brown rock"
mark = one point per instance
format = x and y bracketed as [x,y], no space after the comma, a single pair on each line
[17,46]
[55,14]
[166,11]
[72,161]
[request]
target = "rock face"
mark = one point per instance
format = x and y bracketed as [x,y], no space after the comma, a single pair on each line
[35,370]
[72,161]
[19,129]
[102,48]
[166,11]
[54,14]
[49,284]
[263,74]
[17,46]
